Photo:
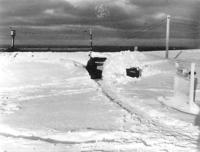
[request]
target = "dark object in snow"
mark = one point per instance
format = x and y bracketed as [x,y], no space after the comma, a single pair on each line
[183,72]
[134,72]
[95,67]
[194,73]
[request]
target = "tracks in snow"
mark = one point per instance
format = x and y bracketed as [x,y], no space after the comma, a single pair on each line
[147,134]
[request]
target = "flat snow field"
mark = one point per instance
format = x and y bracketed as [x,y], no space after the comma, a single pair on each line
[49,103]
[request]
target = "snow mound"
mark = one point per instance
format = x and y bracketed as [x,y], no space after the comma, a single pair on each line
[116,65]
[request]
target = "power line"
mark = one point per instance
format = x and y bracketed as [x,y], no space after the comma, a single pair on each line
[185,21]
[148,28]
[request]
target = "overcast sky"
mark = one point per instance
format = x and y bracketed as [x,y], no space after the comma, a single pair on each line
[122,22]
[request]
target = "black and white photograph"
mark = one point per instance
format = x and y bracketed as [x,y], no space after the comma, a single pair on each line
[99,75]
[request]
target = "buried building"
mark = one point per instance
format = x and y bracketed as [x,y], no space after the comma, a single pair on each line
[97,62]
[95,67]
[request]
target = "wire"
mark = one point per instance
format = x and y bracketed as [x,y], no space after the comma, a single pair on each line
[186,22]
[148,28]
[183,19]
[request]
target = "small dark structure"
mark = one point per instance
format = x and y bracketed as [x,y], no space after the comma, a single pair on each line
[134,72]
[13,35]
[95,67]
[12,47]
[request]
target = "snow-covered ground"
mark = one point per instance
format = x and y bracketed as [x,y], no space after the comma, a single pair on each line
[49,103]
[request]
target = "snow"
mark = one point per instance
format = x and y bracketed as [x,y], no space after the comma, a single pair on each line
[115,67]
[48,102]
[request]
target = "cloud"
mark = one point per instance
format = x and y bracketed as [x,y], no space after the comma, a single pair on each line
[117,18]
[87,12]
[150,3]
[50,11]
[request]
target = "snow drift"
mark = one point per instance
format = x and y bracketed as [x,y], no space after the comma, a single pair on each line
[35,83]
[115,66]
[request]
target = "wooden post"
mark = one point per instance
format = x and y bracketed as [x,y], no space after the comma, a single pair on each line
[167,37]
[191,95]
[91,39]
[13,42]
[13,34]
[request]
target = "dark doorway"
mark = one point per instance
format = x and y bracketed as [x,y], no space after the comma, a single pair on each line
[95,67]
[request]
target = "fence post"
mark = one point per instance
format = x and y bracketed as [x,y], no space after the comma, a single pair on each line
[191,95]
[167,37]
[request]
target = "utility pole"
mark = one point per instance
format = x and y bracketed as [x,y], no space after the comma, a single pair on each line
[12,34]
[91,40]
[167,37]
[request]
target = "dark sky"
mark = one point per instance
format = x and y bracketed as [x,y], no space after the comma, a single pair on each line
[115,22]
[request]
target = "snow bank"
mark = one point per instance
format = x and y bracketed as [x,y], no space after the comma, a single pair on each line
[115,66]
[156,74]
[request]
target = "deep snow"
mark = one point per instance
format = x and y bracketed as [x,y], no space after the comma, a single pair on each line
[49,103]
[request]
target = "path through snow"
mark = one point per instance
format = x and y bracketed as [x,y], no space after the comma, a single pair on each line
[140,123]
